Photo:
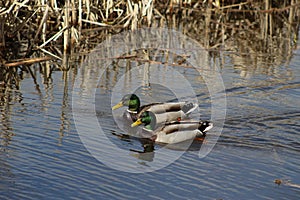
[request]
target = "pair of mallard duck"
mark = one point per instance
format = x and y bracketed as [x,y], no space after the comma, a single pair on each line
[164,122]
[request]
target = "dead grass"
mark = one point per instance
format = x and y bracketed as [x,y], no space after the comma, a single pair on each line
[40,28]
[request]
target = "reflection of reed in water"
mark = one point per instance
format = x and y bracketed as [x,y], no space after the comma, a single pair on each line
[143,63]
[9,85]
[256,34]
[11,97]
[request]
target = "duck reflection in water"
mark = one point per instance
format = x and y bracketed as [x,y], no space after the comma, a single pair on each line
[148,146]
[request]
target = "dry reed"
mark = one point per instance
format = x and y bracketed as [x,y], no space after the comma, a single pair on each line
[58,28]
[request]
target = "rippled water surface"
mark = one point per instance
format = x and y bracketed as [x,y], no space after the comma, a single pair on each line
[43,157]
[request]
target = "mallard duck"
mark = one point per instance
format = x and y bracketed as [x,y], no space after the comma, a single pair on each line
[135,109]
[172,132]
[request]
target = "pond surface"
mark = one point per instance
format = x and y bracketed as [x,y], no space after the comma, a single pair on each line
[43,157]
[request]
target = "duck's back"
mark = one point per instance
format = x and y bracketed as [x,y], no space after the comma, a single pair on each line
[166,107]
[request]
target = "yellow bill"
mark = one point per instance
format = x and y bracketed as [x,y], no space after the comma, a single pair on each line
[136,123]
[119,105]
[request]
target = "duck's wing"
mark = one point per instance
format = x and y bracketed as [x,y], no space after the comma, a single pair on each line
[202,126]
[162,107]
[178,132]
[157,108]
[180,126]
[148,106]
[177,136]
[167,118]
[166,107]
[185,107]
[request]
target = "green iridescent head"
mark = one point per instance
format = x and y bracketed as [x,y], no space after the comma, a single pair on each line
[148,119]
[130,100]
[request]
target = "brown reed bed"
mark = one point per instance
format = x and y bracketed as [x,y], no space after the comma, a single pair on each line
[37,30]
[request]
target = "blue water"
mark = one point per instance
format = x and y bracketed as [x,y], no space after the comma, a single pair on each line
[43,157]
